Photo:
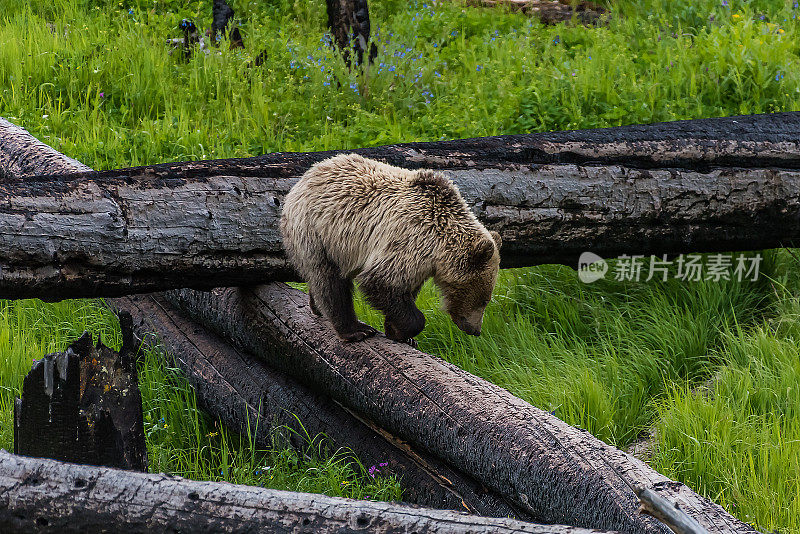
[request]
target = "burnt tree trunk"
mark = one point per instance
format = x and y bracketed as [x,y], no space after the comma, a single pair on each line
[348,21]
[691,186]
[560,474]
[83,405]
[248,396]
[221,14]
[38,496]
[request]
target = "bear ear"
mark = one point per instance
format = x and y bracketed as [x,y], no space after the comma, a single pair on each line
[497,239]
[481,255]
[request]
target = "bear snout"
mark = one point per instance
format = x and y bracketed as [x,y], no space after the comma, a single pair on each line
[468,328]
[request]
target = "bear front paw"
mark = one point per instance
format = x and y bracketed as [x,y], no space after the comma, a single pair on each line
[394,333]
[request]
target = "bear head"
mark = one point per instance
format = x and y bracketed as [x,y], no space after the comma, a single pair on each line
[467,281]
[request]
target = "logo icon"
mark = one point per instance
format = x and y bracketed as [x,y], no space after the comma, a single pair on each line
[591,267]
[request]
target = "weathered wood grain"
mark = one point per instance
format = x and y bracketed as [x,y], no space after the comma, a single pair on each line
[559,473]
[248,396]
[45,496]
[690,186]
[23,155]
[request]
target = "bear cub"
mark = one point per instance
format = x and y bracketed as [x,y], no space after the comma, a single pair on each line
[390,229]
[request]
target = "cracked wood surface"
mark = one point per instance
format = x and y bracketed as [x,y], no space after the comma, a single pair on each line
[251,398]
[560,474]
[38,496]
[688,186]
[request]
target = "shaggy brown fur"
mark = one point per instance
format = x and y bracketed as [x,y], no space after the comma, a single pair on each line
[390,229]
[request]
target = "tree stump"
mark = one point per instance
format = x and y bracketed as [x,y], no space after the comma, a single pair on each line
[348,21]
[83,405]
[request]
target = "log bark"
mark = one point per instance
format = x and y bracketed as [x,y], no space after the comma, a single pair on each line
[249,397]
[21,154]
[83,405]
[559,473]
[48,496]
[690,186]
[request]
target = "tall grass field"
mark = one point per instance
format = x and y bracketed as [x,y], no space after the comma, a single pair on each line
[700,378]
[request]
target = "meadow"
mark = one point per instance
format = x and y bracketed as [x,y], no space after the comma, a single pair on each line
[703,378]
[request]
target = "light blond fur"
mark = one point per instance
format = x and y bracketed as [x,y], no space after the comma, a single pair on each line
[373,220]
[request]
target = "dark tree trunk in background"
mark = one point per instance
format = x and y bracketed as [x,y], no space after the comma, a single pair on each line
[690,186]
[83,405]
[251,398]
[559,473]
[222,14]
[348,21]
[44,496]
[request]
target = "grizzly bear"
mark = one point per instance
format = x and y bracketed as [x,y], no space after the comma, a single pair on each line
[390,229]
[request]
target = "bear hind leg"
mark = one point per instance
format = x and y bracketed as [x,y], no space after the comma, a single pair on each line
[313,304]
[403,320]
[332,295]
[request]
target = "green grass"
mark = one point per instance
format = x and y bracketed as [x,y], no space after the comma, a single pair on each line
[712,367]
[181,439]
[595,355]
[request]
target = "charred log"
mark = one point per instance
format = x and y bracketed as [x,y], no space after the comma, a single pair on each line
[551,11]
[691,186]
[248,396]
[38,496]
[560,474]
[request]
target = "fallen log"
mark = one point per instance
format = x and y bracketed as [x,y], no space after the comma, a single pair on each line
[21,154]
[690,186]
[83,405]
[559,473]
[249,397]
[550,11]
[49,496]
